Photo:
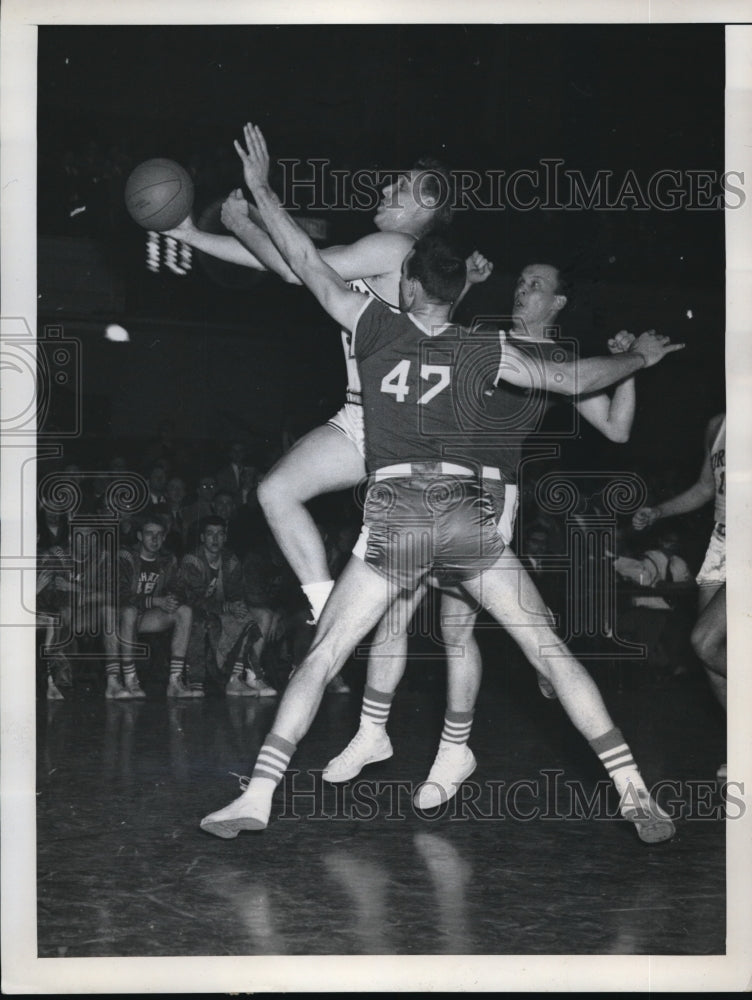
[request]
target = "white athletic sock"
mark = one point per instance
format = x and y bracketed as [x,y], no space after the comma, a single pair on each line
[317,594]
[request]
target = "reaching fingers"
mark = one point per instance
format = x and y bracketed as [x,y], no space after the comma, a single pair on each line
[674,347]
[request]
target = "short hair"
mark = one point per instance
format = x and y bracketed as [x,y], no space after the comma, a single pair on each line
[439,266]
[151,518]
[211,521]
[435,181]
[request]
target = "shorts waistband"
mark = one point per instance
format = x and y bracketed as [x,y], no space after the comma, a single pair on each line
[353,396]
[423,469]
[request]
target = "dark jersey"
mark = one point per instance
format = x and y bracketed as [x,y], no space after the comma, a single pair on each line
[148,574]
[420,388]
[514,413]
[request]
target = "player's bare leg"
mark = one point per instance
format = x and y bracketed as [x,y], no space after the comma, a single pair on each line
[526,620]
[387,660]
[454,761]
[709,637]
[323,461]
[358,601]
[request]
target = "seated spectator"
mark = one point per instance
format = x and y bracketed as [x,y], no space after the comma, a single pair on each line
[212,580]
[52,529]
[270,582]
[149,603]
[157,481]
[73,600]
[655,614]
[229,477]
[175,507]
[200,507]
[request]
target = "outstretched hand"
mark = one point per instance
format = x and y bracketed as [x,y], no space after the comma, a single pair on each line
[653,347]
[234,210]
[621,342]
[479,268]
[255,157]
[645,517]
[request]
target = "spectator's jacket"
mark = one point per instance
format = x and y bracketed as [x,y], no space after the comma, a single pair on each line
[138,592]
[195,578]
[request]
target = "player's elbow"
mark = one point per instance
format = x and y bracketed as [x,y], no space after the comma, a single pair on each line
[619,435]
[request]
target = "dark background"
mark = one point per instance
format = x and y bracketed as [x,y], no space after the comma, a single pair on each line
[222,351]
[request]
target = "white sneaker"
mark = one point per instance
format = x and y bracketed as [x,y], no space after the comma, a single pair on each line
[652,824]
[236,687]
[368,746]
[177,688]
[453,764]
[260,688]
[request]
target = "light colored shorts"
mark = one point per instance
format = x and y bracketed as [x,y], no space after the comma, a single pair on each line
[713,570]
[349,421]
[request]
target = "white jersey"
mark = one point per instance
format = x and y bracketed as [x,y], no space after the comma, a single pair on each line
[718,465]
[353,394]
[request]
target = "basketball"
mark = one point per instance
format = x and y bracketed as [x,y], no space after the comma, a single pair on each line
[159,194]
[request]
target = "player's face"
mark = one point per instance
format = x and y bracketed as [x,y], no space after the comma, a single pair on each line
[402,210]
[214,539]
[535,298]
[151,537]
[406,287]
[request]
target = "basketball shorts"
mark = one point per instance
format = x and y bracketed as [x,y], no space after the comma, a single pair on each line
[713,570]
[429,523]
[349,421]
[504,499]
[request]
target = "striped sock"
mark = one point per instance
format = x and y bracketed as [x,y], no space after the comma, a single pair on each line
[457,726]
[129,673]
[273,758]
[113,669]
[238,668]
[177,666]
[616,757]
[376,705]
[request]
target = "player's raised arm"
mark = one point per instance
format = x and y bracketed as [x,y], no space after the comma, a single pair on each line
[294,245]
[573,378]
[226,248]
[613,415]
[236,218]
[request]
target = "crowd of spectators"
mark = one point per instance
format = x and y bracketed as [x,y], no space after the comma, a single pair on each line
[158,548]
[192,565]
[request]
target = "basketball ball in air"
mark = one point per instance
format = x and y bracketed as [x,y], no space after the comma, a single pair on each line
[159,194]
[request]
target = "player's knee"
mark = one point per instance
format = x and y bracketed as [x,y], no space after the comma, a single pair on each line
[457,633]
[704,643]
[264,619]
[183,615]
[271,491]
[128,616]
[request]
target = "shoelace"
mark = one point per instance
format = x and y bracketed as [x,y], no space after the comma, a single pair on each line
[352,748]
[243,780]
